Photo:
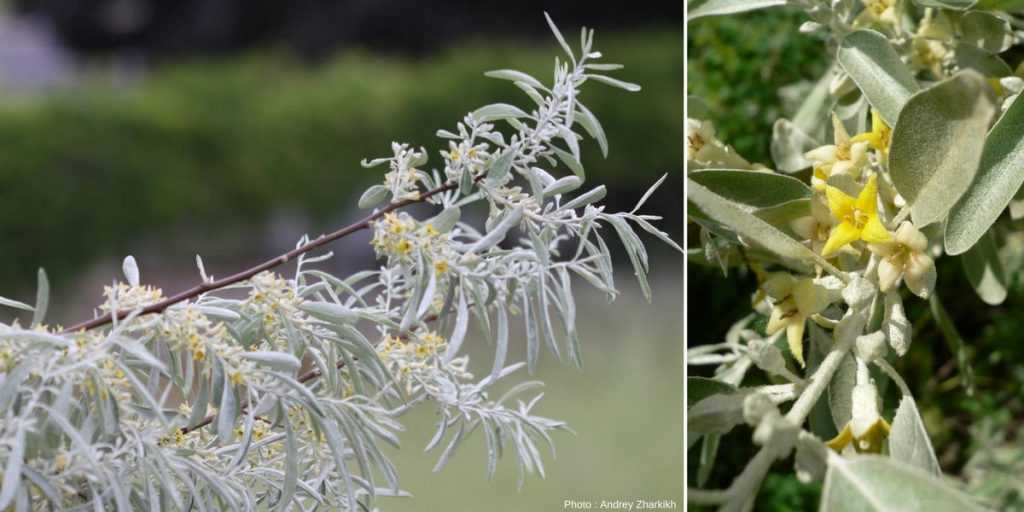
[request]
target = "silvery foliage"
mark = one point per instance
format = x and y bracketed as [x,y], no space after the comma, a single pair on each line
[904,151]
[301,380]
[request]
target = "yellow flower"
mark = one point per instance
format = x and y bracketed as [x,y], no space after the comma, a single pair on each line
[237,378]
[440,267]
[795,301]
[867,430]
[869,441]
[424,350]
[843,157]
[858,218]
[432,338]
[60,462]
[878,11]
[880,135]
[905,257]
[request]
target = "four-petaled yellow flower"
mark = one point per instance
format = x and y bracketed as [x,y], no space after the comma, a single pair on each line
[866,430]
[795,299]
[869,441]
[858,218]
[880,135]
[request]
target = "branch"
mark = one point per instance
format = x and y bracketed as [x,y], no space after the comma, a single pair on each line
[749,480]
[304,378]
[208,286]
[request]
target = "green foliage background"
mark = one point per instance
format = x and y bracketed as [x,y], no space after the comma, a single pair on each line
[737,64]
[227,141]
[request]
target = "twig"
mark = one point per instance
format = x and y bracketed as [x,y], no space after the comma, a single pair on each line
[305,377]
[208,286]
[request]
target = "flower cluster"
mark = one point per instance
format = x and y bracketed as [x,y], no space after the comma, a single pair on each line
[466,152]
[404,177]
[401,238]
[123,296]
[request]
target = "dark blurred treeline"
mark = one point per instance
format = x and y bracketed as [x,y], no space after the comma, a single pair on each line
[314,28]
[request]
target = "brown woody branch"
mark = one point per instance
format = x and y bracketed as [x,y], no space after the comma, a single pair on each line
[208,286]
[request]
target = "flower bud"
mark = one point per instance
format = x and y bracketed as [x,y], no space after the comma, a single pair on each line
[756,407]
[871,346]
[767,356]
[858,291]
[865,408]
[895,323]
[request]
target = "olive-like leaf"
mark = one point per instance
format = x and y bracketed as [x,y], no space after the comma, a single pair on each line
[985,271]
[937,144]
[1000,176]
[968,56]
[789,143]
[720,7]
[875,484]
[959,5]
[752,189]
[746,224]
[908,439]
[699,388]
[986,31]
[877,70]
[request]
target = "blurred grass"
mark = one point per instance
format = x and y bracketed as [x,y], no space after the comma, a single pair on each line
[624,406]
[87,171]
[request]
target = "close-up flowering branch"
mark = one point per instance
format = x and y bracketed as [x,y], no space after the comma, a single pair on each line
[904,153]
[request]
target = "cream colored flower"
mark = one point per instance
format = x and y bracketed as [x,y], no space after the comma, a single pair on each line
[905,257]
[932,44]
[930,55]
[878,12]
[795,299]
[705,151]
[815,227]
[843,157]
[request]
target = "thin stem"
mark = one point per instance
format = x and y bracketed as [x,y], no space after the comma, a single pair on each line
[304,378]
[208,286]
[743,487]
[956,344]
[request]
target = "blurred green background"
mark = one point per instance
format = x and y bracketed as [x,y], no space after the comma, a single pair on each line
[233,140]
[737,64]
[236,153]
[624,407]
